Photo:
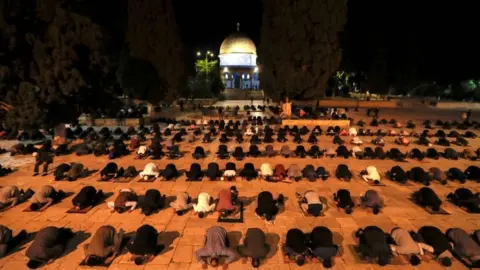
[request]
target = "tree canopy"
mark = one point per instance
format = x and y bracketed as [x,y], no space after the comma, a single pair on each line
[49,59]
[152,36]
[299,49]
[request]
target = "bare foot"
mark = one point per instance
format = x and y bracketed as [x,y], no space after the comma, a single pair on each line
[225,266]
[244,260]
[204,266]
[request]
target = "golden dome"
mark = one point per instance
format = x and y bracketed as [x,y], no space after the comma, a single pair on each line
[238,43]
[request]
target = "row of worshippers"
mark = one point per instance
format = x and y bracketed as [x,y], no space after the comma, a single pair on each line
[428,124]
[419,175]
[374,245]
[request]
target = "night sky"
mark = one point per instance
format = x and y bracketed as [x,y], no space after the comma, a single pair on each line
[205,24]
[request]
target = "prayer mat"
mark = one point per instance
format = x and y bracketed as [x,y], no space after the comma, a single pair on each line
[406,184]
[464,209]
[125,241]
[87,209]
[237,218]
[430,211]
[397,260]
[149,180]
[123,180]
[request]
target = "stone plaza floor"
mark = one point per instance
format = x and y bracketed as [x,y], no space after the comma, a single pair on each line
[183,235]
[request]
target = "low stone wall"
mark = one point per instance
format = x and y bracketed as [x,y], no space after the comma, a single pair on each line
[452,105]
[113,122]
[312,123]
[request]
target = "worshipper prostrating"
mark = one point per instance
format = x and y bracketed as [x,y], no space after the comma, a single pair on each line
[227,202]
[8,242]
[418,175]
[343,172]
[266,171]
[104,247]
[464,197]
[170,172]
[144,246]
[438,175]
[280,173]
[48,244]
[216,246]
[344,200]
[61,171]
[267,207]
[405,245]
[312,204]
[456,174]
[238,153]
[372,200]
[198,153]
[126,200]
[294,172]
[254,246]
[87,197]
[373,245]
[248,172]
[109,171]
[76,170]
[295,247]
[151,170]
[203,205]
[285,151]
[12,195]
[44,197]
[213,171]
[397,174]
[182,203]
[230,172]
[464,245]
[439,242]
[309,173]
[370,174]
[195,173]
[426,197]
[152,202]
[321,245]
[322,173]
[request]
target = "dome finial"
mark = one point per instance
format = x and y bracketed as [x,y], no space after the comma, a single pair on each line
[238,27]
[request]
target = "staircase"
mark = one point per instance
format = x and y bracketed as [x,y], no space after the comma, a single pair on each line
[241,94]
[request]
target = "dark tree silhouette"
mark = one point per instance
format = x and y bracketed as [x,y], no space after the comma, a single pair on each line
[299,49]
[152,35]
[50,60]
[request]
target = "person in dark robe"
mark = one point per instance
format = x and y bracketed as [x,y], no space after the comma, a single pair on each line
[254,246]
[170,172]
[144,246]
[343,172]
[8,242]
[344,200]
[48,244]
[267,207]
[195,173]
[238,153]
[426,197]
[373,244]
[295,247]
[300,151]
[152,202]
[434,237]
[322,173]
[87,197]
[44,158]
[249,172]
[253,151]
[198,153]
[321,245]
[109,171]
[371,199]
[472,173]
[397,174]
[464,197]
[418,174]
[222,152]
[213,171]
